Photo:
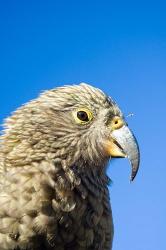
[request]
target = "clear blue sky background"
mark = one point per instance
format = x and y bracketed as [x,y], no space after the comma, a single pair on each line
[119,46]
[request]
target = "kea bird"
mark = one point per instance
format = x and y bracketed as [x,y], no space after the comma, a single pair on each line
[54,153]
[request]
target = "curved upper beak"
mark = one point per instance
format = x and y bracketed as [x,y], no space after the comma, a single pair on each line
[124,144]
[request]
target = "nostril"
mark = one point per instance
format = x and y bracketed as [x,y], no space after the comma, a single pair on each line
[117,122]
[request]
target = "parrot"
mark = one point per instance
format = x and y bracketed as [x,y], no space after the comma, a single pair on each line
[54,155]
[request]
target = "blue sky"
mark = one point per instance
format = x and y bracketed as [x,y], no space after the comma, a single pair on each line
[119,46]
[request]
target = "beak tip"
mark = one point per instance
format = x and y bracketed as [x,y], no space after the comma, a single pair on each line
[132,178]
[134,173]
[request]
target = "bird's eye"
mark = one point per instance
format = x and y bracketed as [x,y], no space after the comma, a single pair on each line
[83,116]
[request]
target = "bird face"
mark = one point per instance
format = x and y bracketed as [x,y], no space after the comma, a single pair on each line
[90,126]
[78,123]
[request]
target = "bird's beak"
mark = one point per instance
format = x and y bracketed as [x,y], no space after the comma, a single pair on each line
[123,144]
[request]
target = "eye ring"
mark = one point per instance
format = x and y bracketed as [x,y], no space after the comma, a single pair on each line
[83,116]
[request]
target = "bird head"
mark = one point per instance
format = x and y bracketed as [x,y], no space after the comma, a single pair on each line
[73,122]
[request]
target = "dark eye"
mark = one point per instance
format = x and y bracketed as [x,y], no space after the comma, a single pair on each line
[83,116]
